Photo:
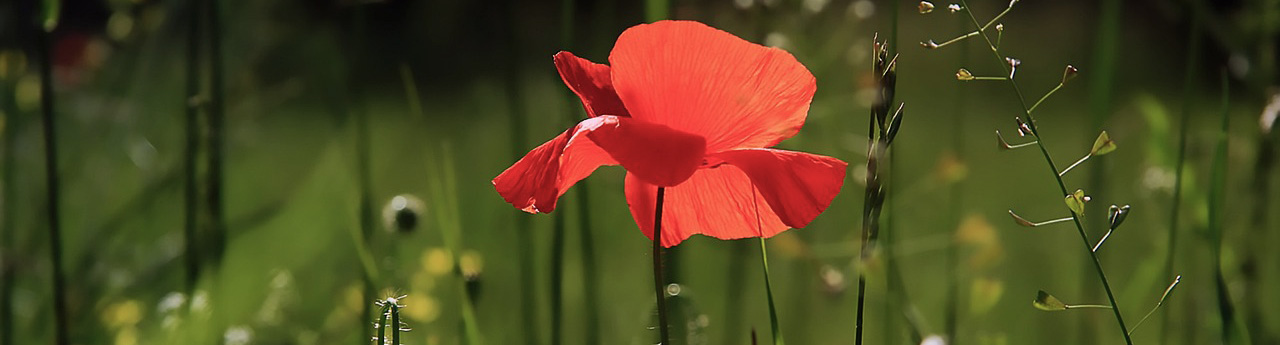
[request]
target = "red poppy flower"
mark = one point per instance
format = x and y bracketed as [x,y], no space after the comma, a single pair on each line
[693,109]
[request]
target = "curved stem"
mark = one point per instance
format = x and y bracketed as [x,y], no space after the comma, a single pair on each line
[768,290]
[657,270]
[61,317]
[1097,265]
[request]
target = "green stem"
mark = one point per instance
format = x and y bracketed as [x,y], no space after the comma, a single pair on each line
[1046,96]
[7,232]
[557,276]
[216,128]
[590,276]
[768,290]
[1062,187]
[190,191]
[1093,306]
[658,289]
[381,330]
[61,318]
[394,309]
[1188,86]
[443,187]
[1217,193]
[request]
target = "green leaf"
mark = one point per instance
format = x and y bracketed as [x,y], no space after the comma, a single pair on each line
[1103,145]
[1075,202]
[1116,215]
[1045,301]
[1021,221]
[50,11]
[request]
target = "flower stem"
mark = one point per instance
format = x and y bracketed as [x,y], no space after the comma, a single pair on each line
[51,179]
[1097,265]
[190,191]
[768,290]
[1188,86]
[658,290]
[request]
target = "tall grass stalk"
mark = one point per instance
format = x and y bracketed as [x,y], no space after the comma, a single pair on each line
[955,199]
[1053,169]
[442,188]
[8,229]
[190,192]
[735,277]
[1217,197]
[768,290]
[558,230]
[217,127]
[52,193]
[519,136]
[1188,88]
[881,129]
[1102,81]
[364,183]
[894,286]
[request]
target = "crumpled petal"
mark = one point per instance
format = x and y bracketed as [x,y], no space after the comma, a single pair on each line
[742,193]
[701,80]
[592,83]
[797,185]
[652,152]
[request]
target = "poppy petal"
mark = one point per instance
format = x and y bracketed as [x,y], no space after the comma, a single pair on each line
[797,185]
[718,202]
[652,152]
[536,181]
[592,83]
[701,80]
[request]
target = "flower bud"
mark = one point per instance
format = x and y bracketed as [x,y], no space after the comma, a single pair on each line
[964,75]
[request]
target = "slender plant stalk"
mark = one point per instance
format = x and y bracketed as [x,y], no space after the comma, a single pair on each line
[877,148]
[217,126]
[768,289]
[190,193]
[1101,90]
[894,284]
[519,136]
[735,277]
[8,230]
[590,272]
[443,188]
[658,289]
[558,227]
[1264,167]
[381,328]
[1188,86]
[1217,193]
[557,277]
[950,322]
[364,182]
[394,310]
[61,319]
[1054,170]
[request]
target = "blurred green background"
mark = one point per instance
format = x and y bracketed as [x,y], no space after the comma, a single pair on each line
[335,107]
